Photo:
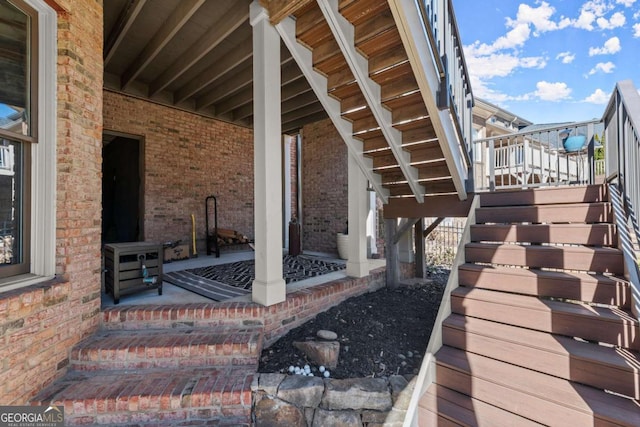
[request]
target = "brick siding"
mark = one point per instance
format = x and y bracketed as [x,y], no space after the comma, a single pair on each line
[324,186]
[187,157]
[39,324]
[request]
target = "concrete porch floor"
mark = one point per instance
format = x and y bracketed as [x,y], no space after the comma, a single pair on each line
[172,294]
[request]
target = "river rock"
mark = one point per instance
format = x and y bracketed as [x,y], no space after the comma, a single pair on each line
[323,334]
[357,393]
[272,412]
[301,390]
[324,418]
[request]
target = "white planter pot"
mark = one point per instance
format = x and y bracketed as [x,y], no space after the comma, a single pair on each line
[343,245]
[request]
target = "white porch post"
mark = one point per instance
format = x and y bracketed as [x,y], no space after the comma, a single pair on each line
[268,287]
[357,265]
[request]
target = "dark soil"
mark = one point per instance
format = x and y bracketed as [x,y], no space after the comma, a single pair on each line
[381,333]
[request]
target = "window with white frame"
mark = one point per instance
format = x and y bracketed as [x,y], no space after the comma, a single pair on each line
[27,140]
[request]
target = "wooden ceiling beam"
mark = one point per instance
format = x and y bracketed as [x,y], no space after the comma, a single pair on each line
[237,55]
[236,101]
[299,101]
[178,18]
[301,112]
[236,16]
[297,124]
[233,83]
[121,28]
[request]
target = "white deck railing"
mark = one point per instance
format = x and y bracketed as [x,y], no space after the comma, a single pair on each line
[6,157]
[535,158]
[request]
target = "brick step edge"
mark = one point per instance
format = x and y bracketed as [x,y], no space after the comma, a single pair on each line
[176,395]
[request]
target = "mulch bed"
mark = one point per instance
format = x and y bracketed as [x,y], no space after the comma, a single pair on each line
[381,333]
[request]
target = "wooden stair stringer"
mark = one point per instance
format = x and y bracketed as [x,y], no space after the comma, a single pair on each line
[318,82]
[343,31]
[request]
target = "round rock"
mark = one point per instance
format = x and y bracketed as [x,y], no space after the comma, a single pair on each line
[327,335]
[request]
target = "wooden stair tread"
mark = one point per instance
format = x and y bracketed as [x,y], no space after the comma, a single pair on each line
[461,409]
[598,259]
[540,397]
[603,324]
[586,287]
[311,27]
[357,11]
[569,212]
[587,363]
[540,196]
[582,234]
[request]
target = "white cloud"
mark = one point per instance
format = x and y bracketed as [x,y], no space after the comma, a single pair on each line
[566,57]
[539,17]
[611,46]
[627,3]
[514,38]
[598,97]
[616,20]
[499,64]
[590,12]
[636,30]
[636,15]
[547,91]
[605,67]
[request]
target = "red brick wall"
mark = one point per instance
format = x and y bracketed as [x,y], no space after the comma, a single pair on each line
[187,158]
[324,186]
[293,155]
[39,324]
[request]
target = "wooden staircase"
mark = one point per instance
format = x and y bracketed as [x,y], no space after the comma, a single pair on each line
[382,113]
[144,367]
[540,330]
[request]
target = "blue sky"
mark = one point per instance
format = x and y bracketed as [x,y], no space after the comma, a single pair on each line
[550,61]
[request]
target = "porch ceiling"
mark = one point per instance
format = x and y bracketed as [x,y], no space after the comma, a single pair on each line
[195,55]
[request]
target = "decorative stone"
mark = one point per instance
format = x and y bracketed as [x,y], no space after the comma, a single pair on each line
[272,412]
[321,352]
[357,393]
[378,417]
[269,383]
[324,418]
[323,334]
[398,384]
[301,390]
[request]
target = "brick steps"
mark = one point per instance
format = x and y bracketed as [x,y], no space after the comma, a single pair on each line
[187,396]
[163,366]
[234,314]
[141,349]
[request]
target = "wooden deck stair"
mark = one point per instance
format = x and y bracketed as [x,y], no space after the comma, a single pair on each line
[144,367]
[422,164]
[540,330]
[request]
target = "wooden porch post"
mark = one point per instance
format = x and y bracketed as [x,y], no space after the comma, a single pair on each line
[357,265]
[268,287]
[421,267]
[391,253]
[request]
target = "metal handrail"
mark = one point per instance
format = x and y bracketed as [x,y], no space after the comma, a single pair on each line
[455,92]
[621,216]
[622,140]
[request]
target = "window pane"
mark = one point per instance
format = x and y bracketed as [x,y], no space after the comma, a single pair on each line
[14,69]
[11,203]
